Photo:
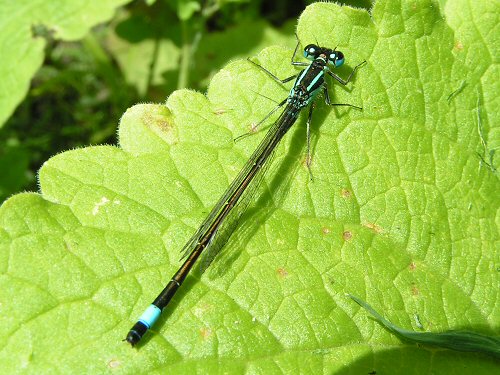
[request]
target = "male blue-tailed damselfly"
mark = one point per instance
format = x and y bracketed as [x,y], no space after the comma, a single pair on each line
[215,230]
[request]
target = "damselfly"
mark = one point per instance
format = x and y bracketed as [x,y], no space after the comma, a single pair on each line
[221,222]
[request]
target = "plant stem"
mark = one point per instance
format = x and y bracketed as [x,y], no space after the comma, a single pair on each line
[185,58]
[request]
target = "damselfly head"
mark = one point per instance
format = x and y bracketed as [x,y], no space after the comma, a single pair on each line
[333,57]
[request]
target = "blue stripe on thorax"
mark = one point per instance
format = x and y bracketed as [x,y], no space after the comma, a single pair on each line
[301,77]
[313,82]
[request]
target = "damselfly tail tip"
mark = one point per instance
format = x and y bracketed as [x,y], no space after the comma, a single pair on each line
[135,334]
[132,338]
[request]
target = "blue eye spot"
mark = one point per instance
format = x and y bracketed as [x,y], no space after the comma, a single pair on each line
[337,58]
[310,52]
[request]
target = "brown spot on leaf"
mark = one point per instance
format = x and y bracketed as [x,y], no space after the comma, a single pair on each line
[374,227]
[282,273]
[219,111]
[157,121]
[347,235]
[458,46]
[346,193]
[205,333]
[414,290]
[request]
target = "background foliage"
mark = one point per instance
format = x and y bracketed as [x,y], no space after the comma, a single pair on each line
[82,74]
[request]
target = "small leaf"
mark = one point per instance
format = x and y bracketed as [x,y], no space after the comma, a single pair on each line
[186,8]
[463,341]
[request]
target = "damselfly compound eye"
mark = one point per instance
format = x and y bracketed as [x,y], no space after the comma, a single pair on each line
[340,59]
[311,51]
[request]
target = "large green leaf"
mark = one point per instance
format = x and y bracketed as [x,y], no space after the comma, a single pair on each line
[401,212]
[22,51]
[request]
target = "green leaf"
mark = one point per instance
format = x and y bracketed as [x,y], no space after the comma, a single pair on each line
[22,50]
[136,58]
[186,8]
[463,341]
[401,212]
